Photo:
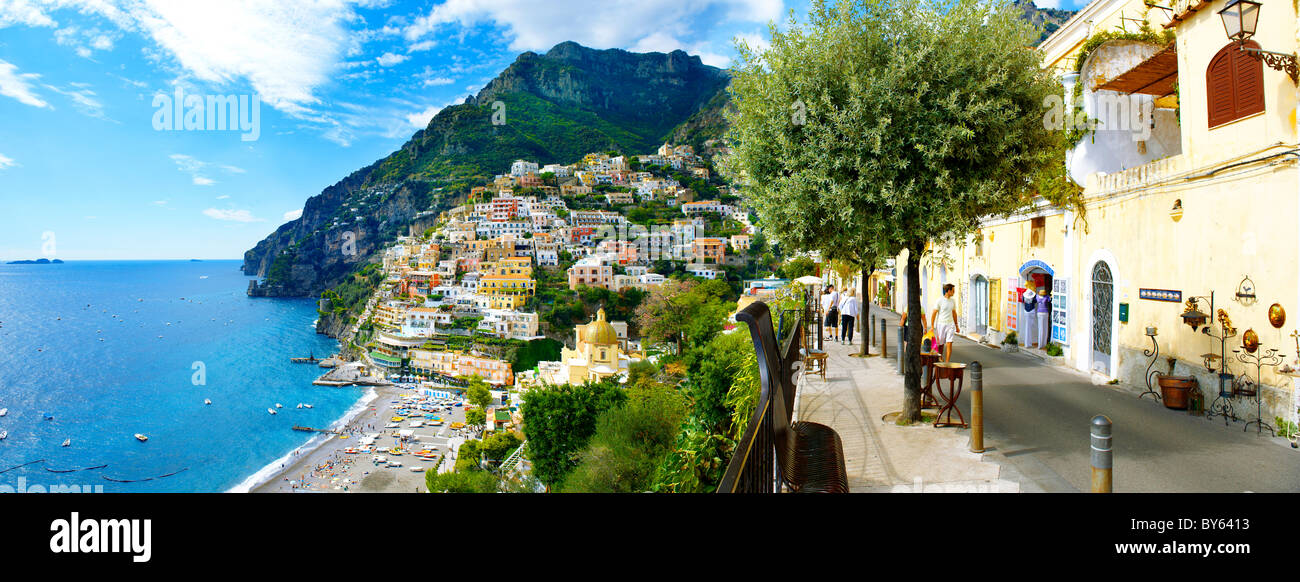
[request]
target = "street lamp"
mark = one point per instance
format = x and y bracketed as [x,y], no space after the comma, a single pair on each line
[1240,18]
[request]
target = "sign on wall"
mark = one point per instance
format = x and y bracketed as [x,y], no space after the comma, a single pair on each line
[1161,295]
[1061,310]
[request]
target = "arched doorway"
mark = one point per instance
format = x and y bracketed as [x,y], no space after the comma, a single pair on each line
[979,304]
[1103,305]
[1035,331]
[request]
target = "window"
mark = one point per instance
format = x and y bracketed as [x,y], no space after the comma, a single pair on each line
[1234,84]
[1037,232]
[979,244]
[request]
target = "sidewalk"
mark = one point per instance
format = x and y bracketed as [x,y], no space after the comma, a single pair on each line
[881,456]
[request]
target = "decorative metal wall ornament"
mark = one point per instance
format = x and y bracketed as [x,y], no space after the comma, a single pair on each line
[1276,315]
[1250,341]
[1192,315]
[1246,291]
[1154,354]
[1268,357]
[1169,295]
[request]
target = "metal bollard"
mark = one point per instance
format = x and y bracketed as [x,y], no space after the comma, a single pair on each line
[867,340]
[976,407]
[900,349]
[1101,454]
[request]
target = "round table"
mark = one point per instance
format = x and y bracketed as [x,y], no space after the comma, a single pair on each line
[954,373]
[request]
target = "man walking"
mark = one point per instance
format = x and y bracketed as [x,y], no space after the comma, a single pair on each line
[944,322]
[830,306]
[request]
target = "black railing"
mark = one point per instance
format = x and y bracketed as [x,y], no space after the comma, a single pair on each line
[753,466]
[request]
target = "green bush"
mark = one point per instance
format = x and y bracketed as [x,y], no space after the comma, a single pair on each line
[1010,339]
[630,442]
[1053,349]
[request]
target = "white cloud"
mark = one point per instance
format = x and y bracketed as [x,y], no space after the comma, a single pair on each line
[601,23]
[84,41]
[232,215]
[19,85]
[223,197]
[160,202]
[193,166]
[420,119]
[756,41]
[390,59]
[438,81]
[293,214]
[23,12]
[83,100]
[7,162]
[423,45]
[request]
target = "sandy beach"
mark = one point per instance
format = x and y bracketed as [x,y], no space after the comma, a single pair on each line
[327,469]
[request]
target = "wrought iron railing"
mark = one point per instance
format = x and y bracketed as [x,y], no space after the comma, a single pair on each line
[753,467]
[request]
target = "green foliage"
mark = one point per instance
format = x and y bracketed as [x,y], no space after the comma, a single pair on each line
[696,462]
[477,392]
[798,267]
[558,422]
[684,312]
[468,456]
[533,351]
[468,481]
[643,370]
[498,447]
[1053,349]
[1285,428]
[630,442]
[1010,339]
[713,377]
[476,417]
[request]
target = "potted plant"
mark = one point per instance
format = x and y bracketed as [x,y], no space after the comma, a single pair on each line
[1009,343]
[1174,390]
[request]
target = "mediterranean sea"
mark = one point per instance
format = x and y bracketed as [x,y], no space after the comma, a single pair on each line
[93,352]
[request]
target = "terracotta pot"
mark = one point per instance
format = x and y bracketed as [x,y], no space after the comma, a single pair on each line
[1174,390]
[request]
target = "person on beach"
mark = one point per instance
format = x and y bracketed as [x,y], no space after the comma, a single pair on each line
[944,322]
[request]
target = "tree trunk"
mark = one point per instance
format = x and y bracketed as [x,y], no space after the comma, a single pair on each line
[865,314]
[912,357]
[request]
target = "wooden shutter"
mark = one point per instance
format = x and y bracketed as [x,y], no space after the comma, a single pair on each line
[1234,84]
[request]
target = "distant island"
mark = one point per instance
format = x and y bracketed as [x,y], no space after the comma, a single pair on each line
[37,262]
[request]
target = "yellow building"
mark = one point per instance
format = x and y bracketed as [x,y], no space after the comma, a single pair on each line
[1190,187]
[509,283]
[597,355]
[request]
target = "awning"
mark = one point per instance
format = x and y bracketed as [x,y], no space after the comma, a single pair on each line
[1154,76]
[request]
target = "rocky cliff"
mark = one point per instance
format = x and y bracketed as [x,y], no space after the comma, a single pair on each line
[551,108]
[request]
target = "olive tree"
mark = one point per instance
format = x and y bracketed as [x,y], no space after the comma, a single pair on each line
[882,125]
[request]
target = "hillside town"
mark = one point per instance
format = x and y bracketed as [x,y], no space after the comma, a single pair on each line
[453,293]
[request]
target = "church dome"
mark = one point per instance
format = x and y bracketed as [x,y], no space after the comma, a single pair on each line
[600,332]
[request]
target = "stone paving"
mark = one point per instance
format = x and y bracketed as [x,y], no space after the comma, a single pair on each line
[881,456]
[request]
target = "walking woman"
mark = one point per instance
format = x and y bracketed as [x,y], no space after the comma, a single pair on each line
[830,306]
[849,309]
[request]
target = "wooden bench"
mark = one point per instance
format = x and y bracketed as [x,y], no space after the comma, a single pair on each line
[809,457]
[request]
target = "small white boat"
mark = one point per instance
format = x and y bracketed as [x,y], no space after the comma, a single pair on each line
[140,437]
[299,405]
[67,443]
[278,405]
[4,411]
[307,406]
[207,401]
[271,410]
[4,434]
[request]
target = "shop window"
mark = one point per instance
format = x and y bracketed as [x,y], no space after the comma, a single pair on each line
[1038,232]
[1234,83]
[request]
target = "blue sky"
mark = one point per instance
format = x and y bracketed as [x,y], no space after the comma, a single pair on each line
[84,172]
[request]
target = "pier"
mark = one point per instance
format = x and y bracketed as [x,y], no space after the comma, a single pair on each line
[310,429]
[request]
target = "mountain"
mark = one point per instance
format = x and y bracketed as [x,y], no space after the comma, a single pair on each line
[1047,20]
[551,108]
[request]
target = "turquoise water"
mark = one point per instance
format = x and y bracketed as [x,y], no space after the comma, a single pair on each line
[174,319]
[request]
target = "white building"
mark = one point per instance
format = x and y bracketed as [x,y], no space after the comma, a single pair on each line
[522,168]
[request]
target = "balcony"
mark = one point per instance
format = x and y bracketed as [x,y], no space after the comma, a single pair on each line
[1146,175]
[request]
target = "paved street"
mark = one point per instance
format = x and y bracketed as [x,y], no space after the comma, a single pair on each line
[1036,417]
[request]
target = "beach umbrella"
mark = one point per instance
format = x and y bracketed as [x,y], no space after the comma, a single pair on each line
[808,280]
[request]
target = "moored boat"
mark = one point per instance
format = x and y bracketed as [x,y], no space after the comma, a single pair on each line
[67,443]
[278,405]
[4,411]
[271,410]
[141,437]
[4,434]
[207,401]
